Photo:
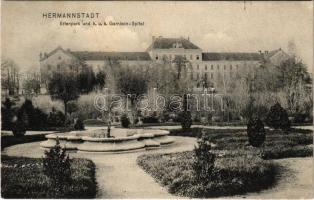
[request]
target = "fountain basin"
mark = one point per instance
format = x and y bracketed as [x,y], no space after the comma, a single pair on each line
[122,140]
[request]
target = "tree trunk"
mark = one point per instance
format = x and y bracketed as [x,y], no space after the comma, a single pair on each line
[65,112]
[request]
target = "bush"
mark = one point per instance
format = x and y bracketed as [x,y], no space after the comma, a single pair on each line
[56,118]
[256,132]
[7,114]
[125,121]
[19,128]
[57,168]
[34,118]
[79,125]
[277,118]
[204,161]
[149,120]
[186,120]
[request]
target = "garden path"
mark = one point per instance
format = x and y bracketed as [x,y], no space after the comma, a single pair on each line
[295,181]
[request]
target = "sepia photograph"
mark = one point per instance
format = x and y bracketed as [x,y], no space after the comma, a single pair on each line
[157,99]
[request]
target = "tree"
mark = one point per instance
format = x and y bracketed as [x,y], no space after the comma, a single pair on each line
[295,79]
[31,86]
[10,76]
[277,118]
[63,87]
[256,132]
[57,167]
[86,81]
[132,84]
[100,79]
[72,107]
[204,160]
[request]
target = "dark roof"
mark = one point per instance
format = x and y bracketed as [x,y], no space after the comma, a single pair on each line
[231,56]
[90,55]
[167,43]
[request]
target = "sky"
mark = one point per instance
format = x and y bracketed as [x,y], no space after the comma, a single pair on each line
[213,26]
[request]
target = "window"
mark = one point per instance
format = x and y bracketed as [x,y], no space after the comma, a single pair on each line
[198,67]
[156,57]
[205,67]
[211,75]
[191,76]
[206,76]
[191,57]
[49,67]
[198,75]
[58,66]
[230,67]
[224,67]
[212,67]
[197,57]
[218,67]
[237,66]
[59,57]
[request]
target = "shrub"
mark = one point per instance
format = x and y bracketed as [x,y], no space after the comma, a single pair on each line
[277,118]
[19,128]
[203,164]
[256,132]
[125,121]
[150,119]
[186,120]
[33,117]
[57,168]
[7,114]
[79,125]
[56,118]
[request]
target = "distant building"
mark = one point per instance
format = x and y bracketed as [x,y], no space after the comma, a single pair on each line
[207,66]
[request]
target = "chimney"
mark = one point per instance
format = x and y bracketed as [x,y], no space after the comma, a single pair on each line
[69,50]
[266,52]
[40,55]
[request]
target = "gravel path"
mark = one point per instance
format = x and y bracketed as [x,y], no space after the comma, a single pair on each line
[295,181]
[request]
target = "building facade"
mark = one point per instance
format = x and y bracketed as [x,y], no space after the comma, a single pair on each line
[204,66]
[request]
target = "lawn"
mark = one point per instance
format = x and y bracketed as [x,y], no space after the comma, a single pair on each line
[24,178]
[278,144]
[233,174]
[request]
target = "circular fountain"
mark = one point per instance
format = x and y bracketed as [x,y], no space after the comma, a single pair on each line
[121,140]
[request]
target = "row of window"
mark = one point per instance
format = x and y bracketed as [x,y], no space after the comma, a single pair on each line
[217,66]
[206,75]
[170,56]
[59,67]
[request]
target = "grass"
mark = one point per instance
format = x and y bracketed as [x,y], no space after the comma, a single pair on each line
[10,140]
[277,145]
[24,178]
[234,173]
